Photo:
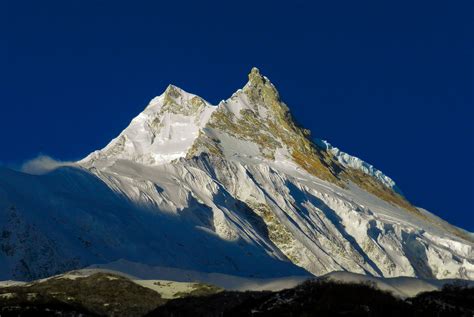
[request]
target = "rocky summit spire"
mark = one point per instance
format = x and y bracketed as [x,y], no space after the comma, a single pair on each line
[255,76]
[259,89]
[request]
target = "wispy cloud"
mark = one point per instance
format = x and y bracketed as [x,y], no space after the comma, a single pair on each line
[42,164]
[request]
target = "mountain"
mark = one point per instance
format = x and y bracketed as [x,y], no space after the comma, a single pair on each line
[237,189]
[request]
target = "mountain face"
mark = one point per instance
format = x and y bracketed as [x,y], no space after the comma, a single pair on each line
[238,188]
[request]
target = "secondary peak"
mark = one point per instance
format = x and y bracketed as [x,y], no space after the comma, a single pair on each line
[173,91]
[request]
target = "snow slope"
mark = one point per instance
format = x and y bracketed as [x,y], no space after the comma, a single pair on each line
[237,189]
[172,282]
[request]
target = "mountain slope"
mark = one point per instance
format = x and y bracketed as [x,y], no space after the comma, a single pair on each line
[237,188]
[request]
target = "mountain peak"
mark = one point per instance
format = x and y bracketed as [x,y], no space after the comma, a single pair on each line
[256,79]
[173,91]
[255,74]
[161,133]
[260,90]
[179,124]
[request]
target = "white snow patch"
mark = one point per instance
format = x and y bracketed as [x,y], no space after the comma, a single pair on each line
[168,289]
[143,272]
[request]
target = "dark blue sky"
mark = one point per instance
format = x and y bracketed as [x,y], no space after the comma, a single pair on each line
[388,81]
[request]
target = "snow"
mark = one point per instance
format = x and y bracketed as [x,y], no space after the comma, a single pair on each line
[147,275]
[235,149]
[399,286]
[168,289]
[235,103]
[11,283]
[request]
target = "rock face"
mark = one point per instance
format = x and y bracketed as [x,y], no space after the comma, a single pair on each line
[238,188]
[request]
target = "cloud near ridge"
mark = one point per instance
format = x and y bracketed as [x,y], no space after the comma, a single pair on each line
[43,164]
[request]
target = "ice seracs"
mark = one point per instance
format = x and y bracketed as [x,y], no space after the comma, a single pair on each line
[355,162]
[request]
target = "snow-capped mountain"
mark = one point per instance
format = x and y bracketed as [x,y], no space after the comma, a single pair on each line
[238,189]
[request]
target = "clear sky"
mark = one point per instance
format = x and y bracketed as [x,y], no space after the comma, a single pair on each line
[388,81]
